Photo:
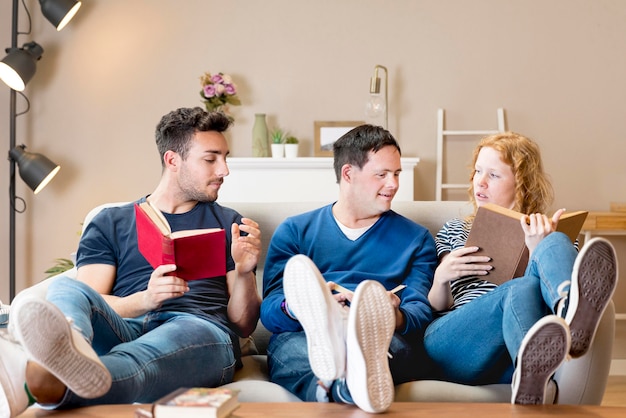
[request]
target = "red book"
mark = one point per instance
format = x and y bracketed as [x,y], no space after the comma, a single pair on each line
[197,253]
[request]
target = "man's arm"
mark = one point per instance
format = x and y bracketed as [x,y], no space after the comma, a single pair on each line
[281,248]
[415,305]
[244,301]
[161,287]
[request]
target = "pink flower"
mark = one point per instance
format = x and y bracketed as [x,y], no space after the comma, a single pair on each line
[216,78]
[209,90]
[230,89]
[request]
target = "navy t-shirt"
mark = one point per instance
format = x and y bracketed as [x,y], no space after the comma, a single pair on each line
[111,238]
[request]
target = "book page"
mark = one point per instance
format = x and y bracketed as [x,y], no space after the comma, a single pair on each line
[192,232]
[160,217]
[156,217]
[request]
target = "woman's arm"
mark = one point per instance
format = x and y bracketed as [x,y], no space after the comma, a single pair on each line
[454,265]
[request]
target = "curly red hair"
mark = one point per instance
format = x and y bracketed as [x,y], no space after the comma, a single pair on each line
[533,190]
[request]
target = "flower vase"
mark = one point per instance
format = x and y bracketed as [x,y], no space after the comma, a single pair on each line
[260,144]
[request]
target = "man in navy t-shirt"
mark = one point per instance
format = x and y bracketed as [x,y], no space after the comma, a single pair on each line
[124,332]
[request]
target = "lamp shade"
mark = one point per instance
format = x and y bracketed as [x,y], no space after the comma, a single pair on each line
[19,66]
[59,12]
[35,169]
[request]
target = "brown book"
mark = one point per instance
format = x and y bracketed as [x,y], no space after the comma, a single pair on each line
[197,253]
[197,402]
[499,235]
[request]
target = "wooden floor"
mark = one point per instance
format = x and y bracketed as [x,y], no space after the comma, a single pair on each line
[615,394]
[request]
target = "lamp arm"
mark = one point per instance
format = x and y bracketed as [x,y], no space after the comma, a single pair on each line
[382,67]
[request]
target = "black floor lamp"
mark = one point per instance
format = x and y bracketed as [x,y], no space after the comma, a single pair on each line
[16,70]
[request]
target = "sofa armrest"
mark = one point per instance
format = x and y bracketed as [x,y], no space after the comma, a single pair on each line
[40,289]
[582,381]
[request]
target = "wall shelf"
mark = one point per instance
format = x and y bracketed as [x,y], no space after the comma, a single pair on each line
[303,179]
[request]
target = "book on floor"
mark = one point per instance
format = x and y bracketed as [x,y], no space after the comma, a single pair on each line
[197,253]
[499,235]
[197,402]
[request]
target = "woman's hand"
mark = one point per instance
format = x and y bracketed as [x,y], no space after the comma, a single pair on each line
[460,263]
[454,265]
[537,226]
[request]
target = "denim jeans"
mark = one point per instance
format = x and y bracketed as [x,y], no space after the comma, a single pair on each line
[478,342]
[288,364]
[148,356]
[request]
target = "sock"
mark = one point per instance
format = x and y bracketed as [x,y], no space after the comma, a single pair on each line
[31,398]
[340,393]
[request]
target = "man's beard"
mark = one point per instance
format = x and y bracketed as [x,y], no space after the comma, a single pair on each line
[193,193]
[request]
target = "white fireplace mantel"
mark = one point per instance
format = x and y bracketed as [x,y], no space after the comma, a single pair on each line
[303,179]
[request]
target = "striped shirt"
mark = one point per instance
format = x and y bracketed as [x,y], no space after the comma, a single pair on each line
[452,236]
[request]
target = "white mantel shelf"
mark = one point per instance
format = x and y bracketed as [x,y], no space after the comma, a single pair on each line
[303,179]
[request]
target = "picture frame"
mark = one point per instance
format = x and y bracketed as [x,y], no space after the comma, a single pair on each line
[327,132]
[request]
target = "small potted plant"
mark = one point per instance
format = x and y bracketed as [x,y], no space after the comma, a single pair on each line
[291,146]
[278,143]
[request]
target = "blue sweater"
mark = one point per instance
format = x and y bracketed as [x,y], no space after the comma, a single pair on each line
[395,250]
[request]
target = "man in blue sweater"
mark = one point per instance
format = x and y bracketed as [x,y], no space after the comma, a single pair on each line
[342,331]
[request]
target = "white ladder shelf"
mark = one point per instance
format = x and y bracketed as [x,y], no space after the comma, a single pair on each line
[442,133]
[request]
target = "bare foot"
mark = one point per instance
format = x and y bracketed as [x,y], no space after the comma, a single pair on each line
[43,385]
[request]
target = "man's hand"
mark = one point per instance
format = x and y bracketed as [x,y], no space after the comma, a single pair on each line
[344,298]
[162,287]
[246,250]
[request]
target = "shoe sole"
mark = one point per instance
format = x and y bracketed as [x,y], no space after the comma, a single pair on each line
[48,338]
[594,282]
[309,298]
[543,350]
[371,325]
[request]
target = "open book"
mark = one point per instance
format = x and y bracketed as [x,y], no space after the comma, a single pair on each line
[197,253]
[498,233]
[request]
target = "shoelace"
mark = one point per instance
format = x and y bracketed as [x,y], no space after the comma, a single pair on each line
[4,313]
[563,291]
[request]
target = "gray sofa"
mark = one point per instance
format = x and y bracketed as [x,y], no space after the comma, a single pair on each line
[578,381]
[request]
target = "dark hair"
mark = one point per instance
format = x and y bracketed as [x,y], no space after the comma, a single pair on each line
[354,146]
[175,130]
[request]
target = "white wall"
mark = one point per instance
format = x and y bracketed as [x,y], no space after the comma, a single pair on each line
[556,66]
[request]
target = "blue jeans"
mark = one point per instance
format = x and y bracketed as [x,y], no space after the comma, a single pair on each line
[148,356]
[478,342]
[288,364]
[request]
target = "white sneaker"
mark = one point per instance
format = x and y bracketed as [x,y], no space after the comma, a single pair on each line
[321,316]
[594,279]
[544,348]
[13,397]
[371,324]
[50,340]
